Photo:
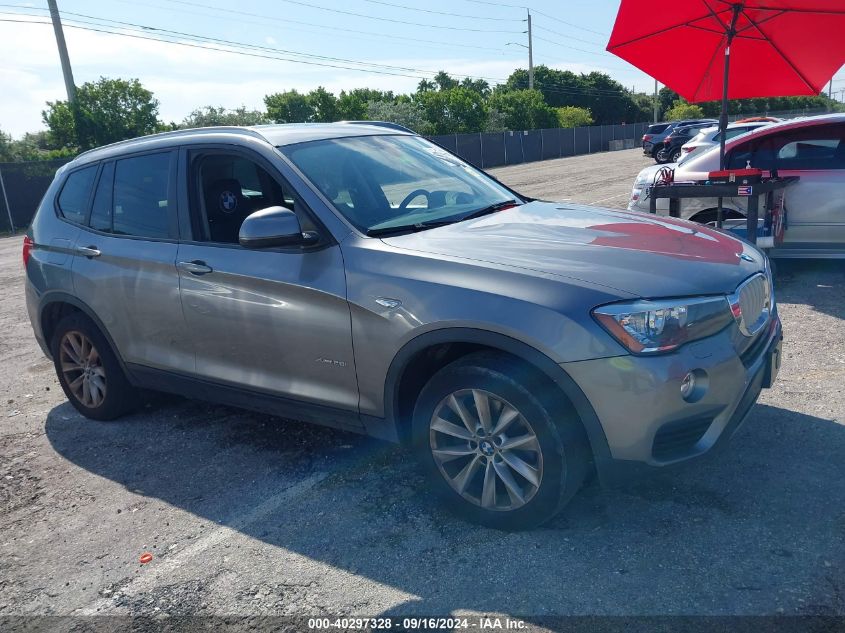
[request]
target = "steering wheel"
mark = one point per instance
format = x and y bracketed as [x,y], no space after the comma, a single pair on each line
[410,197]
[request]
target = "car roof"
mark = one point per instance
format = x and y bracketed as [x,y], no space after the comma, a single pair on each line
[771,128]
[276,135]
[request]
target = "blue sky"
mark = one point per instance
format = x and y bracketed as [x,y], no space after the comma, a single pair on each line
[464,37]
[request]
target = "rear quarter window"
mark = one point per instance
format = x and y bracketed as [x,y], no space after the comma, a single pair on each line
[75,194]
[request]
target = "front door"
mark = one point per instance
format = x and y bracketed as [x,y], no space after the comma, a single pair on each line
[816,203]
[275,320]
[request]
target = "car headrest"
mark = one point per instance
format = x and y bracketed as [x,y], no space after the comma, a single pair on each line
[223,198]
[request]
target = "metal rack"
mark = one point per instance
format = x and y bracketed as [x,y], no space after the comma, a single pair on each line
[752,191]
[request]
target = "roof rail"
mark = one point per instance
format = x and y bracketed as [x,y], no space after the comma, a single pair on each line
[178,133]
[387,124]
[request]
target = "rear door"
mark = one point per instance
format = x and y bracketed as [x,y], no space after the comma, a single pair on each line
[124,266]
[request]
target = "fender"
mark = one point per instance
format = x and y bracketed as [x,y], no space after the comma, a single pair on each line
[59,296]
[595,432]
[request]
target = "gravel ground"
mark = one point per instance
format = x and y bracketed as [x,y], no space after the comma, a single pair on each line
[247,514]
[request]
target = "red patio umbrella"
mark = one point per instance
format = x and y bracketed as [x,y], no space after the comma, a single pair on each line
[720,49]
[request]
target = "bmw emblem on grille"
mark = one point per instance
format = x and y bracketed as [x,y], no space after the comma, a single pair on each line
[228,201]
[751,304]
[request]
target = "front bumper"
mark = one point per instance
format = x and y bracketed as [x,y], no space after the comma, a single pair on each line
[648,425]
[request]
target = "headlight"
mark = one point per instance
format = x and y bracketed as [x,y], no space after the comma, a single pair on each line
[651,327]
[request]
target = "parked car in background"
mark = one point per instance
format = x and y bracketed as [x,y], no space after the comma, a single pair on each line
[670,152]
[711,137]
[811,148]
[654,135]
[760,119]
[360,276]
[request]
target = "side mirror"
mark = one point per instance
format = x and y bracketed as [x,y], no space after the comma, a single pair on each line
[273,226]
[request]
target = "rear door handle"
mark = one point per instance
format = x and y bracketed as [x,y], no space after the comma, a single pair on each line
[88,251]
[195,267]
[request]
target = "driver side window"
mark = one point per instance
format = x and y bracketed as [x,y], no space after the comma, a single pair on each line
[228,188]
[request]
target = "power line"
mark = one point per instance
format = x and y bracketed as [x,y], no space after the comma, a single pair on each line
[453,15]
[570,24]
[274,54]
[287,21]
[311,5]
[569,37]
[356,33]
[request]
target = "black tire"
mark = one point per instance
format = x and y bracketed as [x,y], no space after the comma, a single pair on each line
[661,157]
[119,395]
[676,156]
[564,450]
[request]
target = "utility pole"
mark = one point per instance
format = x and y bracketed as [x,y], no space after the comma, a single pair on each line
[60,42]
[656,102]
[530,54]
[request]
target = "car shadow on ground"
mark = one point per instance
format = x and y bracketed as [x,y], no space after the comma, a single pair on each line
[754,530]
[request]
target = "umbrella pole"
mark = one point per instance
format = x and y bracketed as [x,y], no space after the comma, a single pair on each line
[723,118]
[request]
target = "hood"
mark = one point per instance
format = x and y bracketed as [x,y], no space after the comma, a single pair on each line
[644,255]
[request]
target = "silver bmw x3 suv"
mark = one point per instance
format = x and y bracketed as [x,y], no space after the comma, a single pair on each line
[361,277]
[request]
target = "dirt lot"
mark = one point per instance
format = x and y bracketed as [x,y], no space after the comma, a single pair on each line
[247,514]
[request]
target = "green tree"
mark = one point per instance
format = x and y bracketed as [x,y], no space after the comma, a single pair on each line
[477,85]
[289,107]
[445,81]
[426,86]
[352,105]
[105,111]
[407,113]
[208,116]
[523,110]
[5,147]
[683,110]
[453,111]
[324,105]
[607,99]
[572,116]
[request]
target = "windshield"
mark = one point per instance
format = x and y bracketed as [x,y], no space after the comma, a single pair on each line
[384,182]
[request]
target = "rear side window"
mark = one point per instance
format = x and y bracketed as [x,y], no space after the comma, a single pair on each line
[73,200]
[141,205]
[657,129]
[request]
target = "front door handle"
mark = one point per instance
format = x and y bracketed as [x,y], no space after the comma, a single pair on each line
[195,267]
[88,251]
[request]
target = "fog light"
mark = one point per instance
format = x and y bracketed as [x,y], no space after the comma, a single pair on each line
[688,386]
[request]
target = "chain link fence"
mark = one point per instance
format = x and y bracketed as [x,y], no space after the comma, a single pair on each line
[488,149]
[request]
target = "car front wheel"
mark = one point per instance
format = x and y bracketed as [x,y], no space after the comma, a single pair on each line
[497,443]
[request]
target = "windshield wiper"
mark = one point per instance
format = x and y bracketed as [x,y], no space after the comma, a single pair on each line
[406,228]
[496,206]
[422,226]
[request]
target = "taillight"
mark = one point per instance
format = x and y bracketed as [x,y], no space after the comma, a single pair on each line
[687,149]
[28,245]
[646,137]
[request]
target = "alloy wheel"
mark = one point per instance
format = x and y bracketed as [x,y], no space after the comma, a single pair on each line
[486,450]
[83,369]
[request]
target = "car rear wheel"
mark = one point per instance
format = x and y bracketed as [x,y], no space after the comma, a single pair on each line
[676,156]
[88,370]
[662,157]
[495,446]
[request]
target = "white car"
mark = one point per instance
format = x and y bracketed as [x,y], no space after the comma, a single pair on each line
[811,148]
[710,137]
